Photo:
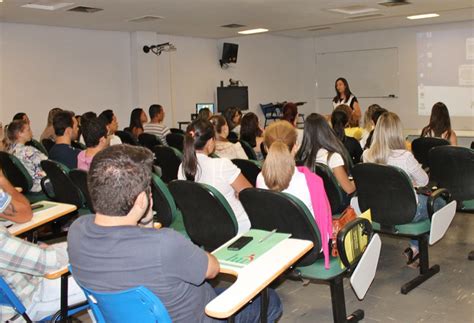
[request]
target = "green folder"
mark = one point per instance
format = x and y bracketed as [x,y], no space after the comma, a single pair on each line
[253,250]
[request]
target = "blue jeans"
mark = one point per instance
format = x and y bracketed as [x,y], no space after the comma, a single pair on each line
[422,212]
[251,312]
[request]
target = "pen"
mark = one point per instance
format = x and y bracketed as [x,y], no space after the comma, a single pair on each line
[267,236]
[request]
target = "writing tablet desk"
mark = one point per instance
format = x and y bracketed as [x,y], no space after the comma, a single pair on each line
[256,276]
[50,212]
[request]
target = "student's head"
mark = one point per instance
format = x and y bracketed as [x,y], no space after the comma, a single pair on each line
[368,123]
[233,116]
[377,113]
[21,116]
[279,166]
[220,126]
[318,134]
[199,136]
[19,131]
[94,132]
[342,88]
[388,135]
[440,122]
[204,114]
[110,121]
[51,115]
[290,112]
[65,124]
[339,121]
[117,177]
[250,129]
[138,118]
[156,112]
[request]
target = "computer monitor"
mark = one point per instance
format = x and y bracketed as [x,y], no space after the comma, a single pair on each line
[200,106]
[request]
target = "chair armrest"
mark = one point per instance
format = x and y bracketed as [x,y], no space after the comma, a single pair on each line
[44,188]
[58,273]
[439,193]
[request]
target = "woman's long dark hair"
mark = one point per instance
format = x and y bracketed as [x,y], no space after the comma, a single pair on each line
[135,118]
[339,121]
[440,122]
[249,129]
[197,135]
[229,115]
[347,90]
[290,112]
[318,134]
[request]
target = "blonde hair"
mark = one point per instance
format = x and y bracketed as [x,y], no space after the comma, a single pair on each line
[368,123]
[388,135]
[279,166]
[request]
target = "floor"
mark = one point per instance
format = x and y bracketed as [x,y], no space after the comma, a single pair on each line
[446,297]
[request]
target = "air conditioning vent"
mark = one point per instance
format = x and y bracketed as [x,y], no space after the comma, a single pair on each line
[146,19]
[365,16]
[84,9]
[233,26]
[394,3]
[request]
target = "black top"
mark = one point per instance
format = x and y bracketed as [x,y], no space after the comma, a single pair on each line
[354,149]
[65,154]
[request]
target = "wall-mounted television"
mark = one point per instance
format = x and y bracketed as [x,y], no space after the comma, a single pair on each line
[232,96]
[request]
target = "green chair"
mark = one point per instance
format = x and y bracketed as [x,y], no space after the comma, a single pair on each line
[248,150]
[336,195]
[388,192]
[35,143]
[269,210]
[249,168]
[208,217]
[168,159]
[18,176]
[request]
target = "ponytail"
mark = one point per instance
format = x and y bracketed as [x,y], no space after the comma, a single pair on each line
[339,121]
[278,167]
[197,135]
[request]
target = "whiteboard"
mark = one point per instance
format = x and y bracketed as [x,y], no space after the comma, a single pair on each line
[370,73]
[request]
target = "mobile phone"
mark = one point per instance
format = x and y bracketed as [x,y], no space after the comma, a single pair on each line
[239,243]
[5,200]
[36,206]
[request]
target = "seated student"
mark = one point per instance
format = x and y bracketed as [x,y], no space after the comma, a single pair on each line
[388,148]
[118,248]
[233,116]
[368,124]
[80,122]
[375,116]
[66,130]
[137,119]
[111,123]
[440,124]
[225,148]
[279,173]
[290,114]
[48,132]
[23,265]
[18,134]
[21,116]
[251,133]
[221,173]
[353,131]
[95,136]
[205,114]
[156,126]
[339,121]
[19,209]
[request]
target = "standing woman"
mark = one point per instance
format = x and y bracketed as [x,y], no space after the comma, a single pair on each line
[221,173]
[440,124]
[345,96]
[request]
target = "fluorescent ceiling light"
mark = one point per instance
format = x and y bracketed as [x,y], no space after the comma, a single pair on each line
[253,31]
[424,16]
[46,6]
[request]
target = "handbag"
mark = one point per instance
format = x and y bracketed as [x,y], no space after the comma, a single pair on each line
[337,224]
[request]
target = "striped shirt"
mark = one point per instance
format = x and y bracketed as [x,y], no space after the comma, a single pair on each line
[157,129]
[22,266]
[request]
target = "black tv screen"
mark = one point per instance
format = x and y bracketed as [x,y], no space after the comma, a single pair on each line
[229,53]
[232,96]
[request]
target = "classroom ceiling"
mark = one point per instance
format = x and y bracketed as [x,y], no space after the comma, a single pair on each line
[204,18]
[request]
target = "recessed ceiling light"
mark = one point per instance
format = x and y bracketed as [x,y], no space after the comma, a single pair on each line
[253,31]
[424,16]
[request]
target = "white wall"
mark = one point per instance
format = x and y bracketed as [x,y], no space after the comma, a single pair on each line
[79,70]
[406,105]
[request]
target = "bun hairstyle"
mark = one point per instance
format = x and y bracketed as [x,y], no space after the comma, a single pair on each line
[279,166]
[197,135]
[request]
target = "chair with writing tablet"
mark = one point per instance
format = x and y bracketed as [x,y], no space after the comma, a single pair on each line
[269,210]
[126,137]
[336,195]
[47,144]
[168,159]
[35,143]
[208,217]
[248,150]
[421,147]
[388,192]
[175,140]
[79,178]
[149,140]
[249,168]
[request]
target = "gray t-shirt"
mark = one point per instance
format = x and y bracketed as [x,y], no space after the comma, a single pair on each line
[124,257]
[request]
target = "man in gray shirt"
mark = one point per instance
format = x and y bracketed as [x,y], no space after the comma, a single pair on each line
[118,248]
